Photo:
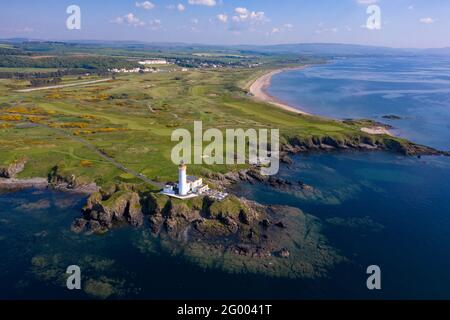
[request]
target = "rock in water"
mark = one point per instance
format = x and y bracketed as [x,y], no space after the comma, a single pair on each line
[79,225]
[283,253]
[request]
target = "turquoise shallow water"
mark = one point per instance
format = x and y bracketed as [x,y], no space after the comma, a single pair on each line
[415,88]
[376,208]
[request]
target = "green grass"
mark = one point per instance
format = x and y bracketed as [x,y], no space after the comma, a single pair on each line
[28,70]
[146,108]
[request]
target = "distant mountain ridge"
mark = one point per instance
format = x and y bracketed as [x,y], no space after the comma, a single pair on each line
[299,48]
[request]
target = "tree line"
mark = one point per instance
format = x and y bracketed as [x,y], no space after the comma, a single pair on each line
[45,82]
[54,74]
[63,62]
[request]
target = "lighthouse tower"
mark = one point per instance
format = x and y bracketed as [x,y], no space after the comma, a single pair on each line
[182,180]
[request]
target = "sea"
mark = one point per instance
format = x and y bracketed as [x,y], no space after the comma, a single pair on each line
[376,208]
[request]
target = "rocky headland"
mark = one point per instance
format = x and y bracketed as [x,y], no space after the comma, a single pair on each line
[235,234]
[362,142]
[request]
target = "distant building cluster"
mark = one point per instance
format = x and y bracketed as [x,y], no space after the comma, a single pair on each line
[255,65]
[134,70]
[153,62]
[185,64]
[213,64]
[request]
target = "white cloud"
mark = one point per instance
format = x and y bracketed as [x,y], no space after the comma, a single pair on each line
[235,19]
[241,11]
[243,14]
[17,30]
[285,28]
[129,19]
[427,20]
[209,3]
[181,7]
[276,30]
[411,8]
[245,19]
[222,17]
[155,24]
[367,2]
[327,30]
[193,26]
[147,5]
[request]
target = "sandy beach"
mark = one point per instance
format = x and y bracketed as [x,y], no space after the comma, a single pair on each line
[259,90]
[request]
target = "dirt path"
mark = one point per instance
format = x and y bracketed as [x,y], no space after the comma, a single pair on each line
[75,84]
[104,156]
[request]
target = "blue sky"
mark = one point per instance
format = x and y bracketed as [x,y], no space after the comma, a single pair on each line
[405,23]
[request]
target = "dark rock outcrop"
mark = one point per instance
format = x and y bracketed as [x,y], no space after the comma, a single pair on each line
[283,253]
[102,211]
[79,225]
[60,180]
[236,233]
[13,169]
[358,142]
[392,117]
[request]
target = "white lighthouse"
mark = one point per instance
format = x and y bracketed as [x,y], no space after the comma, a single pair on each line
[189,187]
[183,187]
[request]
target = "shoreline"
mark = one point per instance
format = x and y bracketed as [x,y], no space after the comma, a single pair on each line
[14,184]
[258,89]
[11,184]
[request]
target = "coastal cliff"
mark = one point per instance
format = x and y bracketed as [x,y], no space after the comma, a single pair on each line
[363,142]
[237,234]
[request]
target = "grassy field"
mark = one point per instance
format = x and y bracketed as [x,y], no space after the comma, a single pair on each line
[131,120]
[28,70]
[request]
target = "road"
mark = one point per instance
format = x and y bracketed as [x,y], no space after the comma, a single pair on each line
[75,84]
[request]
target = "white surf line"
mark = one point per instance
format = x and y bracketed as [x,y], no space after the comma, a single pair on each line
[64,85]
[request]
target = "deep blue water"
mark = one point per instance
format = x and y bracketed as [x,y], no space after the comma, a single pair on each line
[376,208]
[37,246]
[414,88]
[409,197]
[404,204]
